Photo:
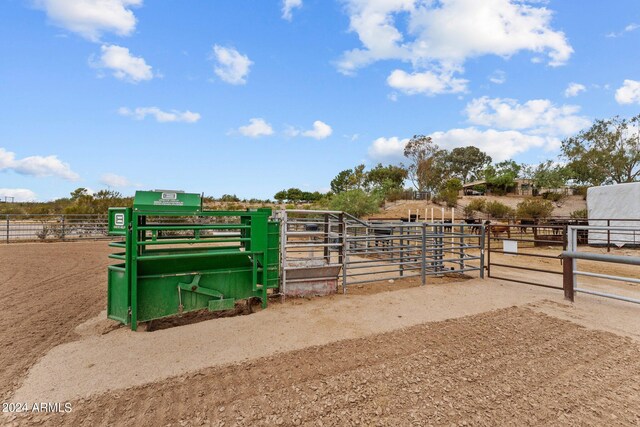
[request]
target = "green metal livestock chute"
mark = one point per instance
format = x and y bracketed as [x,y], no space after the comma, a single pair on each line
[177,257]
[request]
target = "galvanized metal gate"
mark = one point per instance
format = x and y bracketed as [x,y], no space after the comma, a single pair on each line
[331,248]
[512,247]
[378,251]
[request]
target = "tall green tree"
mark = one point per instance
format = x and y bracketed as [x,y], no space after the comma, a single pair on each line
[349,179]
[425,162]
[606,153]
[467,163]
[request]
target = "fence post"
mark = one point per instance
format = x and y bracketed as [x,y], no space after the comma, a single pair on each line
[7,228]
[345,262]
[423,271]
[608,236]
[486,231]
[401,252]
[62,233]
[283,253]
[568,278]
[482,251]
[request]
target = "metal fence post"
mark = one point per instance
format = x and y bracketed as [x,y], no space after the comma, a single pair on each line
[482,237]
[345,262]
[62,226]
[7,228]
[568,278]
[608,236]
[423,271]
[486,231]
[283,253]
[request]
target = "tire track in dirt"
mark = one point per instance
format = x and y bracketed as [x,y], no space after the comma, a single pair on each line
[508,367]
[46,291]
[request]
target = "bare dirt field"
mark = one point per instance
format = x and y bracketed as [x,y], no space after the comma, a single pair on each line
[46,290]
[474,352]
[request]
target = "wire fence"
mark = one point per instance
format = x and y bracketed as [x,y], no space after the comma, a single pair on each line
[46,227]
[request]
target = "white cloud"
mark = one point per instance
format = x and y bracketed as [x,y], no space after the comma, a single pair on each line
[320,130]
[161,116]
[257,127]
[629,28]
[19,194]
[288,6]
[538,116]
[113,180]
[389,150]
[441,36]
[498,77]
[123,65]
[427,83]
[574,89]
[232,66]
[629,92]
[39,166]
[500,145]
[92,18]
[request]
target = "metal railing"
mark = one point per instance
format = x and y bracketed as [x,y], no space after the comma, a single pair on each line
[571,255]
[46,227]
[385,251]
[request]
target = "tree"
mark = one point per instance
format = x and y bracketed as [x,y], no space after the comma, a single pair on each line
[356,202]
[502,175]
[280,196]
[294,195]
[385,176]
[549,175]
[425,159]
[433,172]
[449,192]
[107,194]
[467,163]
[349,179]
[79,192]
[606,153]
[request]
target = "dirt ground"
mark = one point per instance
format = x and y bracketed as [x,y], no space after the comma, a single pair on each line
[481,352]
[46,290]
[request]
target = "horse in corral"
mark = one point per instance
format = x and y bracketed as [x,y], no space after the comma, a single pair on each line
[525,223]
[476,224]
[498,229]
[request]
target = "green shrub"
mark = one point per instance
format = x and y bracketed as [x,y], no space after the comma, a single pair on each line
[554,197]
[476,205]
[498,210]
[534,208]
[579,214]
[356,202]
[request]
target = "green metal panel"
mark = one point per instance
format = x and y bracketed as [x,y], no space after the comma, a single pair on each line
[118,294]
[119,219]
[159,202]
[221,304]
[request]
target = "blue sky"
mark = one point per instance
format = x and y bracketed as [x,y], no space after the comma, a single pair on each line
[253,96]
